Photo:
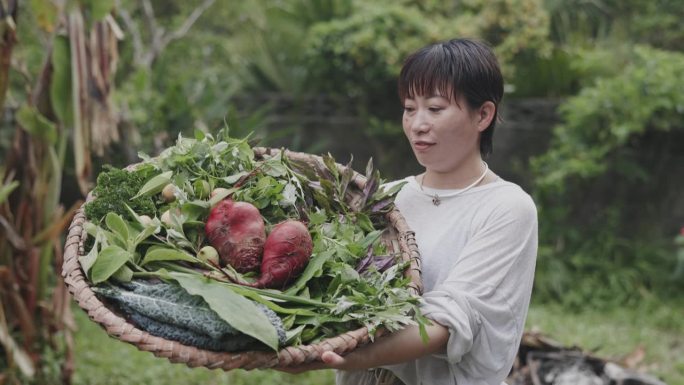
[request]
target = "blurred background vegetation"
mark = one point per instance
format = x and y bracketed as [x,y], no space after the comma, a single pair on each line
[593,126]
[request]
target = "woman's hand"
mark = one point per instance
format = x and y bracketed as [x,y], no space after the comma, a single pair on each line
[329,360]
[401,346]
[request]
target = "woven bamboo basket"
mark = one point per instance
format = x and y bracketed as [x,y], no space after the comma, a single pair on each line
[399,238]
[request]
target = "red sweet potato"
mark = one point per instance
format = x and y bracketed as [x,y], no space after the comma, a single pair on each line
[236,230]
[286,252]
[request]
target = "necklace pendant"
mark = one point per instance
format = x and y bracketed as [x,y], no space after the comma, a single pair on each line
[435,200]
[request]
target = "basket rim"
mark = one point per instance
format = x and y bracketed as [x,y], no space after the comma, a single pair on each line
[176,352]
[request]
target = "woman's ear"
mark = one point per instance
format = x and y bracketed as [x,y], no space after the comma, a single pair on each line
[485,115]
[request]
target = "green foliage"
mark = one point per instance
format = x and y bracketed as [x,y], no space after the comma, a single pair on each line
[645,95]
[356,59]
[657,23]
[360,56]
[544,76]
[366,49]
[595,263]
[599,169]
[330,295]
[584,23]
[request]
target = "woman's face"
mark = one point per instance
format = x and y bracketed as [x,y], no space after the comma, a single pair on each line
[443,133]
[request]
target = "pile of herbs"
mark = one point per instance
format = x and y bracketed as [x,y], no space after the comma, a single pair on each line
[352,279]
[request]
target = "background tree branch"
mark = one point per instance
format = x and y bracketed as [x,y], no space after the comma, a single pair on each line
[145,53]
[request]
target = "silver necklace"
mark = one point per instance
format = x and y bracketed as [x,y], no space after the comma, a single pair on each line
[436,200]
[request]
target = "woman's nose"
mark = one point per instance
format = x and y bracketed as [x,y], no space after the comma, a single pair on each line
[420,123]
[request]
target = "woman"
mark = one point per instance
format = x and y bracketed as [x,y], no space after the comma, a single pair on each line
[476,233]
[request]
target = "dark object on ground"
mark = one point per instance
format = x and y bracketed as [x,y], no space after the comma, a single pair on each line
[542,361]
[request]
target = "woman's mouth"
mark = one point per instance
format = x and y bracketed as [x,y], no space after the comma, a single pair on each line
[422,145]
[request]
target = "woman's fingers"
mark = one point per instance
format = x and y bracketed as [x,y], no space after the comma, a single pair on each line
[333,360]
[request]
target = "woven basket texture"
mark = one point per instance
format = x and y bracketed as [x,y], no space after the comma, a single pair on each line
[399,238]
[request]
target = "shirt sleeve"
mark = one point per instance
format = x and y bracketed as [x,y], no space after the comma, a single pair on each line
[484,300]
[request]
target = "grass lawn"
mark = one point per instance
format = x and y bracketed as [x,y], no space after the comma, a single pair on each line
[101,360]
[614,333]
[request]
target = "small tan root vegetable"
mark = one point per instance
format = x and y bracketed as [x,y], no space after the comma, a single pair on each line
[208,254]
[169,193]
[236,230]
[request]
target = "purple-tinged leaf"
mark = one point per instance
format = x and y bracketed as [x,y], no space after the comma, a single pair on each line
[363,264]
[380,206]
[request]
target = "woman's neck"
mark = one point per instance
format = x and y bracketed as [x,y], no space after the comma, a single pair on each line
[461,176]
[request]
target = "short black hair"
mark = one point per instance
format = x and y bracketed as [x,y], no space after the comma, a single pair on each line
[457,67]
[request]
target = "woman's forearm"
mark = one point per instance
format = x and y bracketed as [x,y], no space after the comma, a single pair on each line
[401,346]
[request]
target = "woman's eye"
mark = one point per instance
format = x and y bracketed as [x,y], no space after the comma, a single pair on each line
[408,109]
[435,109]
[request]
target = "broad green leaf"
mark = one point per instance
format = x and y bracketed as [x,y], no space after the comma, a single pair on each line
[279,295]
[195,210]
[317,218]
[155,185]
[313,268]
[364,222]
[289,195]
[124,274]
[147,232]
[166,254]
[235,309]
[117,225]
[60,86]
[37,125]
[112,239]
[385,193]
[87,261]
[293,336]
[274,168]
[110,259]
[194,223]
[91,228]
[251,294]
[266,183]
[347,273]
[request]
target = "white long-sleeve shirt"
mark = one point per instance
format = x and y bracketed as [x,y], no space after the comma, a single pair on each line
[478,251]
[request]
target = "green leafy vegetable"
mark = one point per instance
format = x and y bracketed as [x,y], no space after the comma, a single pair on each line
[351,280]
[235,309]
[154,185]
[114,191]
[109,260]
[166,254]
